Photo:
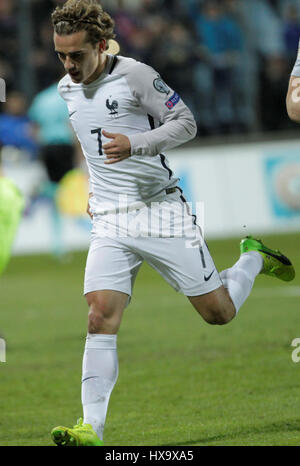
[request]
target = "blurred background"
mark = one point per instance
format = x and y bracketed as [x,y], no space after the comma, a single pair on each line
[230,61]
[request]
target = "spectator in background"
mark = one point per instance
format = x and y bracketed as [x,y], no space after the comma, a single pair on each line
[175,57]
[126,24]
[139,44]
[265,25]
[291,33]
[49,113]
[222,39]
[15,127]
[8,43]
[133,32]
[192,8]
[153,7]
[57,150]
[224,79]
[246,72]
[44,58]
[272,71]
[272,94]
[283,4]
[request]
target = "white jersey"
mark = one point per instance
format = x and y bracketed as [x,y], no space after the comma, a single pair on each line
[129,98]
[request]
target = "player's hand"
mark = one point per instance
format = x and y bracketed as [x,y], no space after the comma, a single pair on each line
[88,210]
[117,149]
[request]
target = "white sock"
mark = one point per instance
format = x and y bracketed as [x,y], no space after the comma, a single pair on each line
[99,375]
[239,279]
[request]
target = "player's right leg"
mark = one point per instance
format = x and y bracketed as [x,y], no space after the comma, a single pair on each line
[110,273]
[99,369]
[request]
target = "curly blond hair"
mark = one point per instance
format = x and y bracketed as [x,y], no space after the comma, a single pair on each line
[84,15]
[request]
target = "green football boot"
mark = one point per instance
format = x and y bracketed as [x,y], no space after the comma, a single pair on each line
[275,263]
[81,435]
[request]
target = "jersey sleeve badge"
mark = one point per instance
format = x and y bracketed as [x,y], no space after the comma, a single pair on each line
[172,101]
[161,86]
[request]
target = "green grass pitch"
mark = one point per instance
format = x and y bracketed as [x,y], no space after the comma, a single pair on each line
[181,381]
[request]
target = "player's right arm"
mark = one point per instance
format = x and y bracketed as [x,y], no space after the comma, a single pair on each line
[293,94]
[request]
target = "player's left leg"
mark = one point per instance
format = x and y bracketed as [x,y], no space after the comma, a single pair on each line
[215,307]
[222,304]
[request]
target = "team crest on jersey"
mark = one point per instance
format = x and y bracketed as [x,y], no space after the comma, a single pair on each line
[112,107]
[161,86]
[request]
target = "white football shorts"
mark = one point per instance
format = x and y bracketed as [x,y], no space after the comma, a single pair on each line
[164,234]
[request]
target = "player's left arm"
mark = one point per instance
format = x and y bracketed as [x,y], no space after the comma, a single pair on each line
[161,103]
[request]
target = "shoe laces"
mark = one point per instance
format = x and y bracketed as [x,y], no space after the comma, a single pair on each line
[79,423]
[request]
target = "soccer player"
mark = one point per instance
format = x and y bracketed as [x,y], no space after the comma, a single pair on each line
[125,115]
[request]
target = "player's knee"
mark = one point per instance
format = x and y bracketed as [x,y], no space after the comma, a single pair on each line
[100,311]
[96,321]
[219,315]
